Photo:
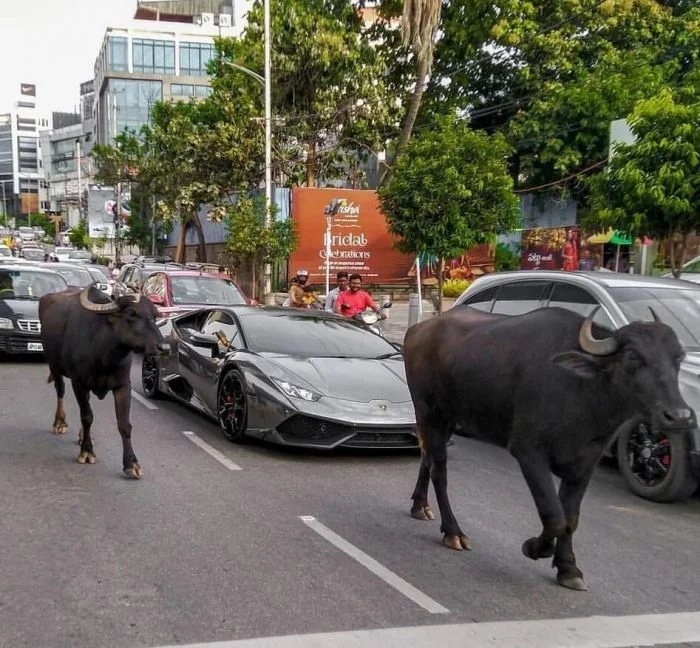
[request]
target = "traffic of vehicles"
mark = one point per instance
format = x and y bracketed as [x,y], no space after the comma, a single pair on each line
[221,362]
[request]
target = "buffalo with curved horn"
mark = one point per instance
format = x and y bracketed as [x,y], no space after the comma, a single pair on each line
[88,337]
[552,388]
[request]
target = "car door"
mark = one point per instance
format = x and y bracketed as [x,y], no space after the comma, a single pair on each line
[579,300]
[520,297]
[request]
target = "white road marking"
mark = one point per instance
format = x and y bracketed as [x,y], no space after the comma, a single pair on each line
[586,632]
[143,400]
[375,567]
[212,452]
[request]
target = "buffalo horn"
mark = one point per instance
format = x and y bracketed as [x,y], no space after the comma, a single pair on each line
[654,315]
[104,309]
[591,345]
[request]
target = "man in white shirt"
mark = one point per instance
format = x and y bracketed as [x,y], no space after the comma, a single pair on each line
[342,281]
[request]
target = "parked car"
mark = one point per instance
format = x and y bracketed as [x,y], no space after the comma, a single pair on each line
[80,256]
[132,275]
[21,286]
[102,277]
[180,291]
[74,274]
[690,271]
[5,251]
[294,377]
[655,466]
[63,253]
[33,253]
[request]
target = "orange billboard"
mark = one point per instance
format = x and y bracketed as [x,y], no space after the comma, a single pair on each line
[360,239]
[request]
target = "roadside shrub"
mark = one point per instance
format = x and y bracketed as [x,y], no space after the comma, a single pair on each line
[454,287]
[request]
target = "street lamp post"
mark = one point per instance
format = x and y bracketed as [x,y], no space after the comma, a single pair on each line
[4,203]
[266,82]
[330,211]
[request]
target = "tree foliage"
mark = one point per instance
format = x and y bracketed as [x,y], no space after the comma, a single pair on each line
[449,191]
[328,98]
[652,187]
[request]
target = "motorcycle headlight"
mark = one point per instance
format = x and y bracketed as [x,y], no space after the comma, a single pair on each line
[294,391]
[6,323]
[369,317]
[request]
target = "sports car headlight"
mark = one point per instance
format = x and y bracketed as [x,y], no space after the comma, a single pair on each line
[6,323]
[295,391]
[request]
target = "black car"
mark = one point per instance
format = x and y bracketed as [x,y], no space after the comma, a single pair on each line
[21,287]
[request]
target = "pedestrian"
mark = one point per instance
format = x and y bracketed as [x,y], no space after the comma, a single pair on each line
[587,262]
[355,300]
[342,280]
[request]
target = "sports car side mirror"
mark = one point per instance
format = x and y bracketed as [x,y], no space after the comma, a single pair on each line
[204,341]
[156,299]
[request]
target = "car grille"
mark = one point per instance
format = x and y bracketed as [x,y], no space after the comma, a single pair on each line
[31,326]
[16,343]
[306,429]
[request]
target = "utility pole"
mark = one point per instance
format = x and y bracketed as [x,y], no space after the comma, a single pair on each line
[80,182]
[4,203]
[268,146]
[117,221]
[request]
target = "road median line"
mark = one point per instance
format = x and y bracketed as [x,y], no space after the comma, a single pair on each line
[211,451]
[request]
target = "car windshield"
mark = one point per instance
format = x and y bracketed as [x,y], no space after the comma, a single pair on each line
[100,272]
[75,276]
[80,254]
[311,337]
[205,290]
[677,307]
[19,283]
[33,254]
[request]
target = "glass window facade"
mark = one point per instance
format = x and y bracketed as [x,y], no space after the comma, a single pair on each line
[134,99]
[28,154]
[63,157]
[188,90]
[117,54]
[153,56]
[194,58]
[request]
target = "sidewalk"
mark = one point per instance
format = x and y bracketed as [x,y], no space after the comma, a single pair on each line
[396,324]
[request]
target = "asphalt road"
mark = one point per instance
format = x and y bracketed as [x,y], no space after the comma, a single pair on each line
[200,551]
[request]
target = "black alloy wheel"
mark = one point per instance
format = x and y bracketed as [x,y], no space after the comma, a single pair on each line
[232,406]
[150,376]
[655,465]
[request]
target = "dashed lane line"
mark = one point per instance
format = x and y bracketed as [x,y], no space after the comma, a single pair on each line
[211,451]
[143,400]
[586,632]
[369,563]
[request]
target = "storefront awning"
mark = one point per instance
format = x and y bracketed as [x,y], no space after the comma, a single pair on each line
[616,237]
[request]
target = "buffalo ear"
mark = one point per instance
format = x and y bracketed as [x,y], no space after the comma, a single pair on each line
[581,364]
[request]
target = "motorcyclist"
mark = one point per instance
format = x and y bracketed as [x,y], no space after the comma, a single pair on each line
[355,300]
[298,296]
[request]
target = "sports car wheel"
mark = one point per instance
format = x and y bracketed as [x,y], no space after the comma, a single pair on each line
[233,406]
[656,466]
[150,375]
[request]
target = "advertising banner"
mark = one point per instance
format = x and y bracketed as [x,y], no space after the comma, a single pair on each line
[550,248]
[101,205]
[360,240]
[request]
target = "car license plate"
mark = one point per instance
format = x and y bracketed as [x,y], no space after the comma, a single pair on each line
[35,346]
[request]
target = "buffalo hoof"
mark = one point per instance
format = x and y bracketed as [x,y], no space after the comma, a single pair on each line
[134,472]
[422,513]
[457,542]
[60,428]
[86,457]
[536,548]
[573,582]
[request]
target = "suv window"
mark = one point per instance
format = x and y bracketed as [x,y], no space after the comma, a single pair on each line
[579,300]
[482,300]
[519,297]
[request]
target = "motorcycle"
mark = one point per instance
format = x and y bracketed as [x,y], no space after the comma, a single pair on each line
[371,319]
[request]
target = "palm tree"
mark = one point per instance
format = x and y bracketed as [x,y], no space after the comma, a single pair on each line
[419,25]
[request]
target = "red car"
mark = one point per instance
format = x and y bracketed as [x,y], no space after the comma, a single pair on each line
[179,291]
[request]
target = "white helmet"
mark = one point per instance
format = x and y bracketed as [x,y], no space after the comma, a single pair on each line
[302,273]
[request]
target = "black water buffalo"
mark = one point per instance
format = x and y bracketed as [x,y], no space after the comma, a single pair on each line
[88,338]
[551,387]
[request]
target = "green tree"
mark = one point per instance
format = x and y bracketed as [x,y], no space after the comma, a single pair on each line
[450,190]
[78,236]
[328,93]
[652,187]
[249,243]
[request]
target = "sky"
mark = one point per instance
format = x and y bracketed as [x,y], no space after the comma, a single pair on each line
[54,44]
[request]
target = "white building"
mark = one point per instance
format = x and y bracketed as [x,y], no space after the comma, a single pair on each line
[162,54]
[22,184]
